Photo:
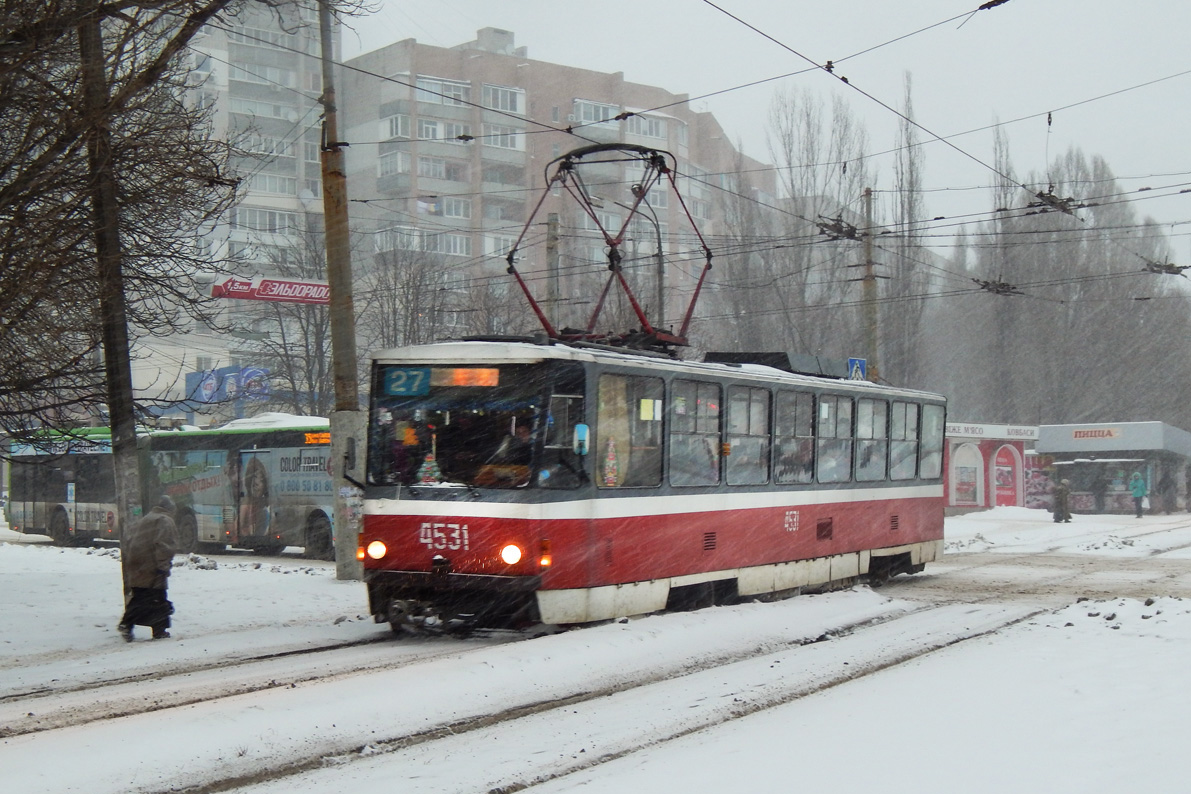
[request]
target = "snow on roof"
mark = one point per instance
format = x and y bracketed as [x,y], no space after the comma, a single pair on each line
[275,420]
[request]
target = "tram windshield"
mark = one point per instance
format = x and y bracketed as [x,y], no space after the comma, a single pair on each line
[473,426]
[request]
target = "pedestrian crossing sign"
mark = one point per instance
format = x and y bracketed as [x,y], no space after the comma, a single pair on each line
[857,369]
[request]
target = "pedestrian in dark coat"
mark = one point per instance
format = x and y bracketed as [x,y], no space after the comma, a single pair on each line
[1167,492]
[1061,495]
[1099,490]
[146,554]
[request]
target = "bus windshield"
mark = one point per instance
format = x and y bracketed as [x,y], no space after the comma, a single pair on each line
[474,426]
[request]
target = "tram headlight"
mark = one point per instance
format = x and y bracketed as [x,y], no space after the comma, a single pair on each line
[511,554]
[376,549]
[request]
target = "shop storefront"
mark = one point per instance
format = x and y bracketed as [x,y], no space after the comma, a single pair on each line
[987,466]
[1099,459]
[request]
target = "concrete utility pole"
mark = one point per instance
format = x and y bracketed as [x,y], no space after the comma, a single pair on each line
[347,421]
[552,286]
[105,211]
[870,290]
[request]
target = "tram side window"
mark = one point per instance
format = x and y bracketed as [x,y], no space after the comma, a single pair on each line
[872,444]
[748,435]
[931,466]
[834,460]
[694,433]
[629,431]
[794,437]
[903,441]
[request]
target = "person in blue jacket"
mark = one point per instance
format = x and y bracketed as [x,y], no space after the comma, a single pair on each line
[1137,487]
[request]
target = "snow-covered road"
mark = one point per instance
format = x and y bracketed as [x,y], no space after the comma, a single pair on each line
[817,688]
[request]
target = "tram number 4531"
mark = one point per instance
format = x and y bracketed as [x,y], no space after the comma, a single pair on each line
[444,536]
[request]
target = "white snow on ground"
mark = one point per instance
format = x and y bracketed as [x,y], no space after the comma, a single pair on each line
[1090,698]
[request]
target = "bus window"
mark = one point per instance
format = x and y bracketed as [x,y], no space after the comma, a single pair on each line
[931,466]
[903,443]
[872,444]
[794,437]
[748,436]
[694,433]
[834,458]
[629,431]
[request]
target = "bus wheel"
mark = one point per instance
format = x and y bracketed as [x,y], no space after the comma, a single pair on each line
[187,533]
[319,545]
[60,528]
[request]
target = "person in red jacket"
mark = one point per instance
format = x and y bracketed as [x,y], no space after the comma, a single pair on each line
[146,555]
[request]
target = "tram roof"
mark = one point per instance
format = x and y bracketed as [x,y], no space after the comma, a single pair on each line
[516,352]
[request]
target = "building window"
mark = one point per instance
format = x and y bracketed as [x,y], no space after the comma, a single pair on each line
[594,112]
[273,110]
[396,126]
[263,75]
[498,244]
[503,137]
[262,220]
[455,244]
[645,126]
[272,183]
[428,130]
[432,167]
[266,144]
[443,92]
[393,163]
[453,132]
[456,207]
[510,100]
[399,238]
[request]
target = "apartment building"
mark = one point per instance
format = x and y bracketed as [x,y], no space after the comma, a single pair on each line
[260,72]
[451,148]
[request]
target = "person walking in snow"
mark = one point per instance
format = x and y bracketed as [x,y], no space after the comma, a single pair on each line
[146,554]
[1061,495]
[1137,487]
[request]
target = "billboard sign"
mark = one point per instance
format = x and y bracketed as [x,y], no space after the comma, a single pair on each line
[261,288]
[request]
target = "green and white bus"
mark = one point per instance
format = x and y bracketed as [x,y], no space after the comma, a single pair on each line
[261,483]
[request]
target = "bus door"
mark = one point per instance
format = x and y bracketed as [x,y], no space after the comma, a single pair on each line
[255,509]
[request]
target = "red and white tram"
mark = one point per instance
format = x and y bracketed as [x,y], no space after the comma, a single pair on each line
[512,482]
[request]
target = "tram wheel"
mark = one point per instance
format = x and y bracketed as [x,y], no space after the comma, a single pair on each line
[60,528]
[187,533]
[319,545]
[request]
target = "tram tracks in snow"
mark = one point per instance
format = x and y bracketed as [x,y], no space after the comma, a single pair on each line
[593,726]
[188,683]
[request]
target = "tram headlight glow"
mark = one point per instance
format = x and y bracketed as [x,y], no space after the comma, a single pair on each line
[377,549]
[511,554]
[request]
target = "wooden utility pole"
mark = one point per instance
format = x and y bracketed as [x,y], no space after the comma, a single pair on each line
[347,423]
[105,212]
[870,290]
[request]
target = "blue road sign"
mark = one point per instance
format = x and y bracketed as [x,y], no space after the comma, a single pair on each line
[857,369]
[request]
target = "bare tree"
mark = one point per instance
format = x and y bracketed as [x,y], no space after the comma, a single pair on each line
[820,154]
[903,292]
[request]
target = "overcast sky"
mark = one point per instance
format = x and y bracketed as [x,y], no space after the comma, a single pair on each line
[1019,60]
